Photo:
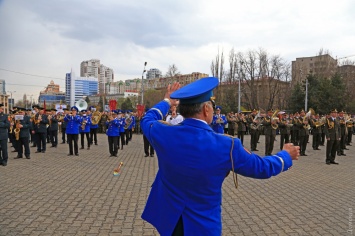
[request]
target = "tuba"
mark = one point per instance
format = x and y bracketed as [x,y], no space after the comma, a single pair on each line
[253,125]
[81,104]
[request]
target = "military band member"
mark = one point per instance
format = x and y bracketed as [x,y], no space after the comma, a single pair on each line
[270,126]
[350,127]
[242,126]
[332,133]
[4,126]
[232,124]
[41,122]
[93,128]
[284,128]
[316,131]
[64,125]
[219,121]
[85,129]
[180,201]
[343,134]
[304,135]
[24,125]
[122,120]
[72,131]
[53,127]
[296,126]
[254,123]
[113,133]
[103,122]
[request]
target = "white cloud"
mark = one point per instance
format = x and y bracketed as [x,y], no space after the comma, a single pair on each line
[50,37]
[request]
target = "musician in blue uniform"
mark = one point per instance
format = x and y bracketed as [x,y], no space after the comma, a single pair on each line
[186,195]
[122,120]
[219,121]
[113,133]
[84,130]
[4,126]
[73,123]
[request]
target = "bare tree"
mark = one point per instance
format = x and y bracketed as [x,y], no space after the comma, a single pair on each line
[172,73]
[217,66]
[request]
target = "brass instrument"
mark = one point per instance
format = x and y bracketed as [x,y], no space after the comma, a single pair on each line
[12,122]
[256,123]
[128,122]
[330,124]
[50,120]
[274,118]
[38,119]
[18,119]
[96,117]
[83,123]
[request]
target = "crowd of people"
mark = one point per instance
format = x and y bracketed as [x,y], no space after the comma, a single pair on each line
[337,128]
[40,128]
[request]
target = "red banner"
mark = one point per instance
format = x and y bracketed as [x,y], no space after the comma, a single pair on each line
[113,105]
[140,110]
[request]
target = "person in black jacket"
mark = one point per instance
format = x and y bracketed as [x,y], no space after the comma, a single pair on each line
[24,125]
[41,122]
[53,127]
[4,126]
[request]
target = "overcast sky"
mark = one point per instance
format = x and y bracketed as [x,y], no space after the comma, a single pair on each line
[49,38]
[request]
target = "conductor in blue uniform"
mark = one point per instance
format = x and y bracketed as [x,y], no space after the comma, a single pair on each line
[186,195]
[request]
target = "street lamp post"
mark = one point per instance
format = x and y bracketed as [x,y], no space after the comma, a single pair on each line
[145,63]
[11,98]
[240,77]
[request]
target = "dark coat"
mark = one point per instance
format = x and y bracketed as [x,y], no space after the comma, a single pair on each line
[4,126]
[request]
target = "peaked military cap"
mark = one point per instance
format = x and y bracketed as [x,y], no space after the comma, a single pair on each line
[115,112]
[218,108]
[74,108]
[53,109]
[197,92]
[119,111]
[334,111]
[35,106]
[83,111]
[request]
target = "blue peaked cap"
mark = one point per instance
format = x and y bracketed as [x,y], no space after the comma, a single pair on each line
[75,108]
[197,92]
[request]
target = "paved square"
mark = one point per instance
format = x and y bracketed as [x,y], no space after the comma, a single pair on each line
[53,194]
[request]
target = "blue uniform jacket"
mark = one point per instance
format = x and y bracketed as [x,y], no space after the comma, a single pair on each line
[73,124]
[218,127]
[193,163]
[87,126]
[113,128]
[122,122]
[133,123]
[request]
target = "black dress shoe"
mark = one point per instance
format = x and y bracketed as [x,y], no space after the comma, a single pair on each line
[14,151]
[76,154]
[318,149]
[146,155]
[37,151]
[343,154]
[18,157]
[88,148]
[152,155]
[335,163]
[62,143]
[28,157]
[81,148]
[95,143]
[346,148]
[304,154]
[111,155]
[122,147]
[4,164]
[115,155]
[70,154]
[327,162]
[43,151]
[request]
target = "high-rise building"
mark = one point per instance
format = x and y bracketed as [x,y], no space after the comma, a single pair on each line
[2,87]
[90,68]
[154,73]
[51,94]
[106,77]
[79,87]
[93,68]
